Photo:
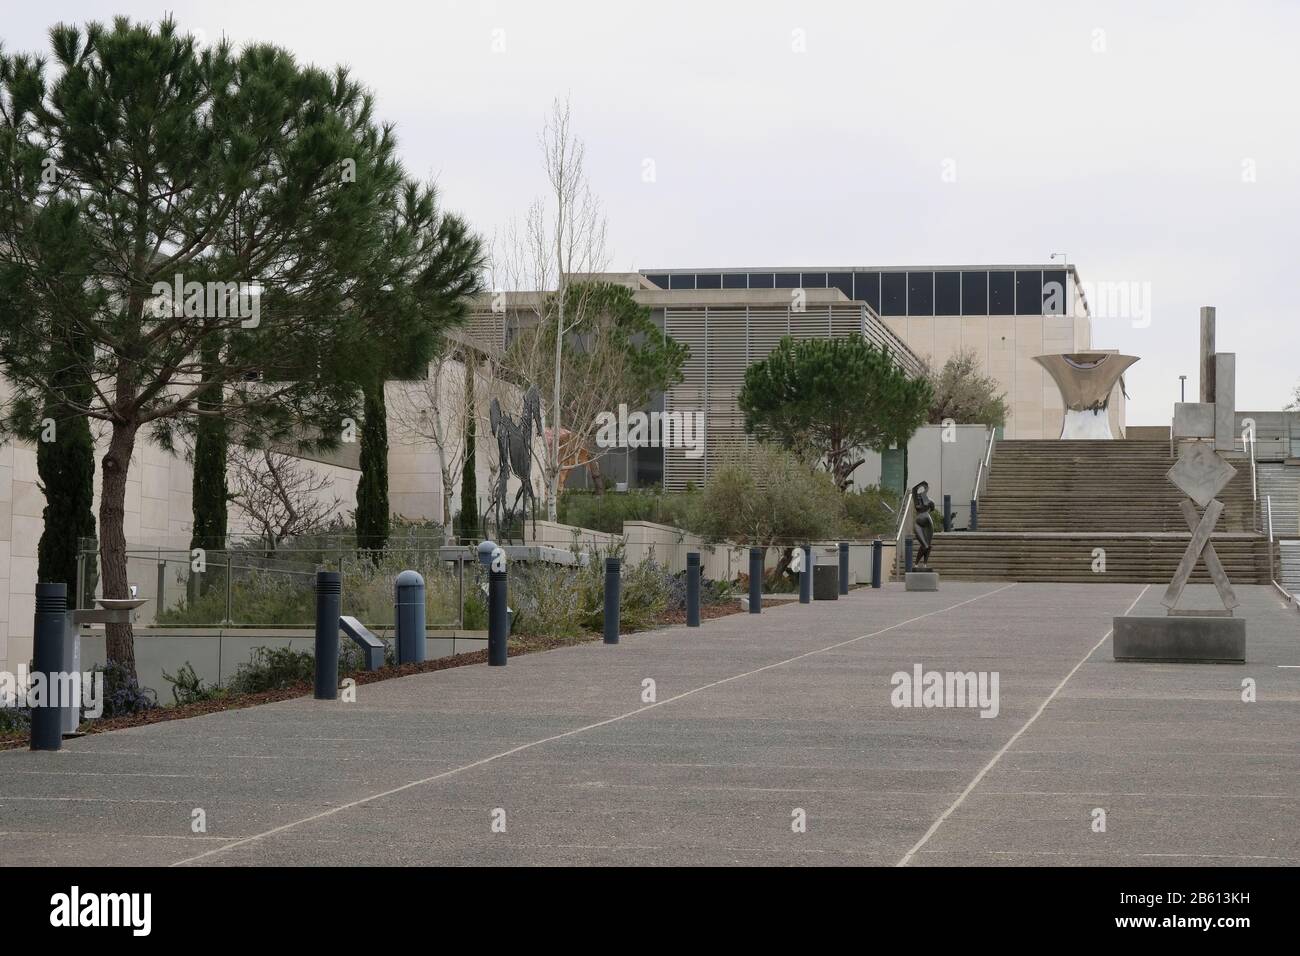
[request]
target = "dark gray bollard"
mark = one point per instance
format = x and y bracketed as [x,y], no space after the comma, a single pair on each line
[806,575]
[755,580]
[877,562]
[409,616]
[907,555]
[498,619]
[947,512]
[613,586]
[844,567]
[692,589]
[329,603]
[47,659]
[974,515]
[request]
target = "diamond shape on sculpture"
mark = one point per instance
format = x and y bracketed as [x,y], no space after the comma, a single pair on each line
[1200,473]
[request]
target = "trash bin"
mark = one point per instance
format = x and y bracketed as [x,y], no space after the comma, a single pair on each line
[826,582]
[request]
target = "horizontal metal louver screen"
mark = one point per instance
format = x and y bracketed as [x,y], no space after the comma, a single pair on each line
[687,397]
[727,355]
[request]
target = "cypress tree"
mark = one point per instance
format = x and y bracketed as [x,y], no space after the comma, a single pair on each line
[372,488]
[210,446]
[469,473]
[66,466]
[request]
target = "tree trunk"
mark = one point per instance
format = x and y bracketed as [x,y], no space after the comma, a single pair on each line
[552,499]
[448,528]
[120,638]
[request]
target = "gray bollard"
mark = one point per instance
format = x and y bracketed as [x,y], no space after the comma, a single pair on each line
[947,512]
[806,575]
[844,567]
[329,604]
[974,515]
[907,555]
[692,589]
[613,586]
[498,619]
[755,580]
[47,658]
[877,562]
[408,602]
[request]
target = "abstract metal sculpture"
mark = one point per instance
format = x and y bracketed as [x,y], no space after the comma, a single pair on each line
[922,524]
[515,454]
[1200,473]
[1086,380]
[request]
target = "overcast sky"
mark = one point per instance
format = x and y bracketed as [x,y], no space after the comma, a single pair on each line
[1154,143]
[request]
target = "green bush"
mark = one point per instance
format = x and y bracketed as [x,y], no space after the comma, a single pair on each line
[273,668]
[870,511]
[763,495]
[14,720]
[608,511]
[645,593]
[188,687]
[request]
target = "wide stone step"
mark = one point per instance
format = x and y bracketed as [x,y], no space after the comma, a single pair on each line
[1070,557]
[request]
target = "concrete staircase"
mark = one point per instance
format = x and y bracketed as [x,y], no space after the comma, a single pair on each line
[1290,566]
[1281,483]
[1116,486]
[1052,508]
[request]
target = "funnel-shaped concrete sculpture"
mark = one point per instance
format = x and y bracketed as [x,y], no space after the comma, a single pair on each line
[1086,380]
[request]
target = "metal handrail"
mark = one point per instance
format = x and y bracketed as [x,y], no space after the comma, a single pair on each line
[985,464]
[903,510]
[1254,486]
[1272,569]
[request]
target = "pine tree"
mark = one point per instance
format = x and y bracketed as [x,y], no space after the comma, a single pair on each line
[243,174]
[829,399]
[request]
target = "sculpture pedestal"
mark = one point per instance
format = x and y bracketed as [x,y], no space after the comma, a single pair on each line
[1181,638]
[921,581]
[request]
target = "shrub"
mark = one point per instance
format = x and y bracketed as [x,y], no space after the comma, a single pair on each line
[645,592]
[188,687]
[14,720]
[273,668]
[869,511]
[123,694]
[608,511]
[546,600]
[764,496]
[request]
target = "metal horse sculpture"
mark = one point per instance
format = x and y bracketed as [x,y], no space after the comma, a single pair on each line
[515,455]
[923,524]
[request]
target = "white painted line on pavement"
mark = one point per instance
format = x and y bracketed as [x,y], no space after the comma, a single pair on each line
[1007,746]
[577,730]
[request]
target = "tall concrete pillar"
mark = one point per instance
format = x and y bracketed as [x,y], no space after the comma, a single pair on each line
[1207,353]
[1225,401]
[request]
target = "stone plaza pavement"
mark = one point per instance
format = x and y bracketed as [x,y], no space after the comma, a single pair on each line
[754,718]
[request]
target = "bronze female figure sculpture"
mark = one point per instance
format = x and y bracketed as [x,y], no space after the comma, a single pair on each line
[923,524]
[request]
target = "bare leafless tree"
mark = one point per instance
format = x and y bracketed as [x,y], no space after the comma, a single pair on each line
[281,496]
[562,240]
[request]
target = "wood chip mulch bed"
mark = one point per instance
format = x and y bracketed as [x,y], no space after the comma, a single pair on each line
[517,648]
